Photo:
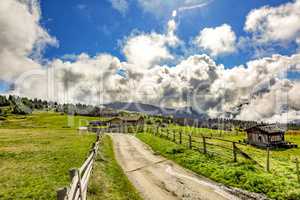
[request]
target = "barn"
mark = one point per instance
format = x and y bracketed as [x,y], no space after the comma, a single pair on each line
[267,136]
[126,121]
[98,123]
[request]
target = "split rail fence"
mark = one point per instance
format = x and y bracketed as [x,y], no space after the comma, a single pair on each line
[225,148]
[79,178]
[211,146]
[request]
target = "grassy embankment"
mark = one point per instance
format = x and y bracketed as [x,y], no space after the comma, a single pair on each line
[108,182]
[280,183]
[36,152]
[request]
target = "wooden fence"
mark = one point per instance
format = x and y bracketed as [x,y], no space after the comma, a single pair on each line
[205,144]
[79,178]
[212,145]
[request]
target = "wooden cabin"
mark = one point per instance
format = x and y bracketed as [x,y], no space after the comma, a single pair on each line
[267,136]
[126,121]
[98,123]
[95,126]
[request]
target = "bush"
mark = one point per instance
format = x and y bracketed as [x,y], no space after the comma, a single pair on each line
[175,150]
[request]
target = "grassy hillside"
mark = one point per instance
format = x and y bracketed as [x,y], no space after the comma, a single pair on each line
[36,152]
[280,183]
[49,120]
[108,182]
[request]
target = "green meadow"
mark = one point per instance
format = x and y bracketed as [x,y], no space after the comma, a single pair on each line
[280,183]
[36,152]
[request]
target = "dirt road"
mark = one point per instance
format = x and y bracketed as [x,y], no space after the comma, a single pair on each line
[160,179]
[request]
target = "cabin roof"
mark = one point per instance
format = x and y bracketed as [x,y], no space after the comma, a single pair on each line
[94,122]
[128,118]
[97,122]
[269,129]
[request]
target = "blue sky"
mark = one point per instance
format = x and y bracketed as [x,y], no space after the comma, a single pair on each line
[169,52]
[94,26]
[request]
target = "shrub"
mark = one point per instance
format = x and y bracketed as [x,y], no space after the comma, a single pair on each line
[175,150]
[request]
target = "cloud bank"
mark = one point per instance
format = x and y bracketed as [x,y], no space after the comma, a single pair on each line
[258,90]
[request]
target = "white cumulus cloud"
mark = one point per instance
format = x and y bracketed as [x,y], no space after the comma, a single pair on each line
[22,38]
[145,50]
[275,24]
[217,41]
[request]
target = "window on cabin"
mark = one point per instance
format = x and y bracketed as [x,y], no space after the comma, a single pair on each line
[276,138]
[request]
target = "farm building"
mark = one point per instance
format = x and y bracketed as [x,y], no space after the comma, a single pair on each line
[267,136]
[117,124]
[126,121]
[98,123]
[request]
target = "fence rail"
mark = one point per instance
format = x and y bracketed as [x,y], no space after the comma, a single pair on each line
[79,177]
[203,143]
[233,150]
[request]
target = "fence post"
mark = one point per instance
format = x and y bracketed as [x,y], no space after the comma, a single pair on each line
[72,173]
[204,145]
[190,141]
[167,134]
[81,192]
[61,193]
[268,159]
[180,137]
[91,150]
[297,169]
[98,136]
[234,152]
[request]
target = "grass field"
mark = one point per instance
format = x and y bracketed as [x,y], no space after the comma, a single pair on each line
[36,152]
[280,183]
[108,182]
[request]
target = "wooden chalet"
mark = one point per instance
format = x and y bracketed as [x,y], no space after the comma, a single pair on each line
[126,121]
[98,123]
[267,136]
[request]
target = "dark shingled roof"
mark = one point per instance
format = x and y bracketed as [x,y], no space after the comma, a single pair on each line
[128,118]
[271,128]
[97,123]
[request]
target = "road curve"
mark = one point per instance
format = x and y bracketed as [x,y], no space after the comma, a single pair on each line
[159,179]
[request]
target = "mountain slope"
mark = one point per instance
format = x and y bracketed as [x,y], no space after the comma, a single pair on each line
[186,112]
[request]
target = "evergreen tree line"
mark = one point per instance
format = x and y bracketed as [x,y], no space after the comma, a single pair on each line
[23,105]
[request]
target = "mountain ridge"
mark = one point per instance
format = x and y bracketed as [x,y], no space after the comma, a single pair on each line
[185,112]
